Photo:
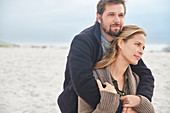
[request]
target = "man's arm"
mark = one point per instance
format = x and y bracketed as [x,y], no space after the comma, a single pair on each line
[81,62]
[146,84]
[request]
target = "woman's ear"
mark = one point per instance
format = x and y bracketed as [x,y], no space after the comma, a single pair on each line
[120,43]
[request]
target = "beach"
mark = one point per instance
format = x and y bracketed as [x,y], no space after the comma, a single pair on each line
[31,78]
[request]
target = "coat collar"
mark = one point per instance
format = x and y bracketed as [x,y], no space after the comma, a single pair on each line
[97,35]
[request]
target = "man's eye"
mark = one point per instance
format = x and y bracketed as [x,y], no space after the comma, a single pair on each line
[121,15]
[111,14]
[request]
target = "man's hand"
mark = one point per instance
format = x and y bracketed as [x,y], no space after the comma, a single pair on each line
[130,100]
[108,88]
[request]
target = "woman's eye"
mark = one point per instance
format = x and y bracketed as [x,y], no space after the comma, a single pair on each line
[137,44]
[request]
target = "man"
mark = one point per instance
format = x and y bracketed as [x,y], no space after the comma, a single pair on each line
[87,48]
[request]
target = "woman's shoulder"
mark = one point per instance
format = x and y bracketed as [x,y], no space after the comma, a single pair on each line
[102,74]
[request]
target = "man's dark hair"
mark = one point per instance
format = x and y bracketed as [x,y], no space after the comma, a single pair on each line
[102,4]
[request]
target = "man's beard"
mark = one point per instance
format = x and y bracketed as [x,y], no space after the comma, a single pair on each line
[110,32]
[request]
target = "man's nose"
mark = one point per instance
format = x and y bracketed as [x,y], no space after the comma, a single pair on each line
[116,19]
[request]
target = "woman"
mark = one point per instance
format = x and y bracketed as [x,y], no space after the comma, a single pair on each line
[119,80]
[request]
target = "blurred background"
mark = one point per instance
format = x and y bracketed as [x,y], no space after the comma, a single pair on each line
[51,22]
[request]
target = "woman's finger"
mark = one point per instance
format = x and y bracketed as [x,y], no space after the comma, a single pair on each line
[124,110]
[123,97]
[106,83]
[127,105]
[99,85]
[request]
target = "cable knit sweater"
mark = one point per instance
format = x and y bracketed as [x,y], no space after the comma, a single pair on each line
[109,102]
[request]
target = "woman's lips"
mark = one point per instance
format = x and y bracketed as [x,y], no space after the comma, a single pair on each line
[137,57]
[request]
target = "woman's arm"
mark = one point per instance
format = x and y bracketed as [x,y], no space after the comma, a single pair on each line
[109,101]
[138,103]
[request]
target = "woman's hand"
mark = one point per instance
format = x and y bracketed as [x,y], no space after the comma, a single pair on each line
[128,110]
[108,88]
[130,100]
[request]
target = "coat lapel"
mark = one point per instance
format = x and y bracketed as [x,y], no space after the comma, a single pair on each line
[131,81]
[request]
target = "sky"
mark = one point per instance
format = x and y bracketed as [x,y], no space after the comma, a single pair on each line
[58,21]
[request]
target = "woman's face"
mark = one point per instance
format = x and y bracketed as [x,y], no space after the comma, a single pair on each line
[132,49]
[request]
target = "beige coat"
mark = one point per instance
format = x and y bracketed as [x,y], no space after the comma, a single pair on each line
[109,102]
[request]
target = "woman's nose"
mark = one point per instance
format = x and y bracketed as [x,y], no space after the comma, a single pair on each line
[141,51]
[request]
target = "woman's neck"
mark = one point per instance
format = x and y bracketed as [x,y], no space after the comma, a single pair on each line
[118,67]
[117,70]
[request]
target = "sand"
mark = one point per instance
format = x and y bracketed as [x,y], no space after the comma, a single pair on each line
[31,79]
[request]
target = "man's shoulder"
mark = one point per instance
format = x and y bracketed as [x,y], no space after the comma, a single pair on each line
[88,38]
[88,32]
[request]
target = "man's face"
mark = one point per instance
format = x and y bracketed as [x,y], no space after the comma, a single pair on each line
[112,19]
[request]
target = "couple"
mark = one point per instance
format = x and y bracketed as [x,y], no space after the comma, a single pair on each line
[104,51]
[120,82]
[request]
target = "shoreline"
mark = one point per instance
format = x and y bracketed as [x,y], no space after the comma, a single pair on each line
[148,48]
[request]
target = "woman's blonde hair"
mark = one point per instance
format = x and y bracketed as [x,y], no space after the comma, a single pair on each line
[126,34]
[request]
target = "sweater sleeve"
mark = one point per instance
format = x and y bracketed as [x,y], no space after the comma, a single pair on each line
[109,103]
[146,84]
[145,106]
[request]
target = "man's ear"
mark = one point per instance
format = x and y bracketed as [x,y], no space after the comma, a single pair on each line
[99,18]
